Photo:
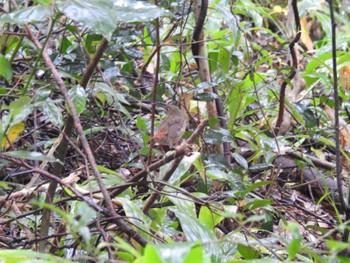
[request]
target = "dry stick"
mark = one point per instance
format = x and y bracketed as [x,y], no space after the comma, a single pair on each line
[180,152]
[316,161]
[294,67]
[78,127]
[57,203]
[344,206]
[63,183]
[63,147]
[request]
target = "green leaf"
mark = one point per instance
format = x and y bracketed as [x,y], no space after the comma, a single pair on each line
[205,96]
[295,242]
[103,169]
[240,160]
[83,215]
[27,155]
[151,255]
[232,22]
[257,204]
[183,167]
[255,186]
[136,216]
[233,178]
[49,108]
[22,16]
[209,218]
[203,85]
[44,2]
[195,255]
[78,97]
[218,136]
[247,252]
[25,256]
[5,69]
[193,228]
[113,97]
[104,16]
[224,59]
[20,109]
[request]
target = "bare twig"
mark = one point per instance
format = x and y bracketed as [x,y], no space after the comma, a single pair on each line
[179,152]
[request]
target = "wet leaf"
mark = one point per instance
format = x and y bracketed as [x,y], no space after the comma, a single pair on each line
[22,16]
[78,97]
[205,96]
[27,155]
[5,69]
[104,16]
[49,108]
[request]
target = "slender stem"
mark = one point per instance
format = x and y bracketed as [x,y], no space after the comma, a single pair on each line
[336,122]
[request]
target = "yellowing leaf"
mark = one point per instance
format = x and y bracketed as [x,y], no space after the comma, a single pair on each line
[12,134]
[345,78]
[305,37]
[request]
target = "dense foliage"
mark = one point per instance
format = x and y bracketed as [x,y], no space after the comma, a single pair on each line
[80,177]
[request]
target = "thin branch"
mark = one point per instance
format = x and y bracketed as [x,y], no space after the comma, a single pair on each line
[179,152]
[344,206]
[78,127]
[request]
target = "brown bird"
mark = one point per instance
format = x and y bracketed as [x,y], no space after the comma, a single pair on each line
[172,127]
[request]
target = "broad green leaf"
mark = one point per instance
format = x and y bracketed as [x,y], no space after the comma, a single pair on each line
[218,161]
[49,108]
[20,108]
[78,97]
[240,160]
[209,218]
[5,69]
[218,136]
[4,185]
[103,16]
[247,252]
[136,216]
[220,175]
[192,227]
[183,167]
[25,256]
[22,16]
[195,255]
[83,215]
[318,61]
[240,96]
[179,252]
[27,155]
[151,255]
[84,212]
